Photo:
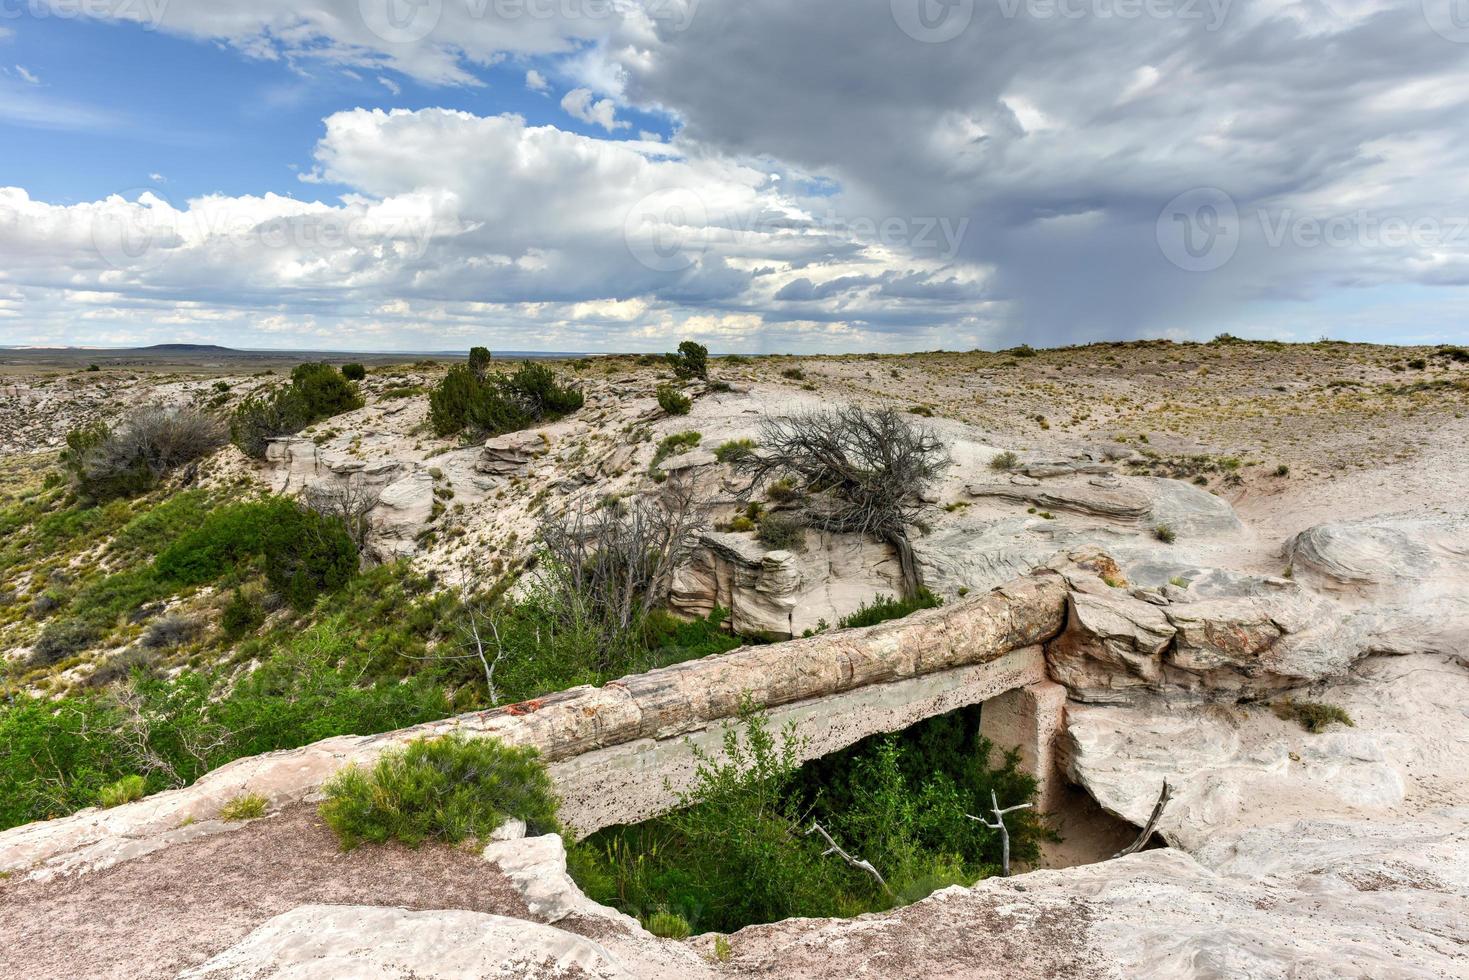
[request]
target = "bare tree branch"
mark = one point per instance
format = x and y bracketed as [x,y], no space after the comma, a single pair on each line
[350,501]
[608,564]
[833,848]
[1152,823]
[853,470]
[999,824]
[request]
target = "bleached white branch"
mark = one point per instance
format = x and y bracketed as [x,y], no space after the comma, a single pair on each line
[832,847]
[999,825]
[1152,823]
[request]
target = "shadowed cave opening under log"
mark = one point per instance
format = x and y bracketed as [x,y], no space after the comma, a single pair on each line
[882,823]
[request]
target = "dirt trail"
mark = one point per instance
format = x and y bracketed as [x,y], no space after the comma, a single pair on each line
[175,908]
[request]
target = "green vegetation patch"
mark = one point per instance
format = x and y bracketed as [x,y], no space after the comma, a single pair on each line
[884,608]
[740,849]
[447,789]
[493,404]
[315,392]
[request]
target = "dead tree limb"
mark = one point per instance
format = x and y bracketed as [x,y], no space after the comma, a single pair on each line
[851,470]
[833,848]
[1152,823]
[999,825]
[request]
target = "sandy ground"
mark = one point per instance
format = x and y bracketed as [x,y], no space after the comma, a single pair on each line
[162,913]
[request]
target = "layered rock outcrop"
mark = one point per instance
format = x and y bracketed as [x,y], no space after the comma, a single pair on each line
[778,594]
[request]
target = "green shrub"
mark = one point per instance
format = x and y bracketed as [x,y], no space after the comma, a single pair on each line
[304,553]
[495,404]
[479,361]
[921,782]
[691,361]
[246,806]
[453,399]
[125,790]
[782,491]
[241,615]
[323,391]
[884,608]
[88,441]
[734,449]
[261,418]
[739,851]
[795,374]
[1004,461]
[228,537]
[316,391]
[677,442]
[672,401]
[730,855]
[1165,534]
[781,532]
[354,371]
[310,554]
[446,789]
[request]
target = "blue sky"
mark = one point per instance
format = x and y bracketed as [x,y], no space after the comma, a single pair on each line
[839,175]
[132,102]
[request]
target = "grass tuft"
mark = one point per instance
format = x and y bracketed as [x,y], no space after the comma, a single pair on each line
[246,806]
[667,925]
[125,790]
[1313,716]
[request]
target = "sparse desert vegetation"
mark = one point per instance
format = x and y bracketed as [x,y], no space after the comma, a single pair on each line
[369,566]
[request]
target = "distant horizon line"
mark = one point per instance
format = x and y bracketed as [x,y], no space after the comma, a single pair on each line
[183,346]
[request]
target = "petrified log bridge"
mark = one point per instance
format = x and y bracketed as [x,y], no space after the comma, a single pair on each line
[621,752]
